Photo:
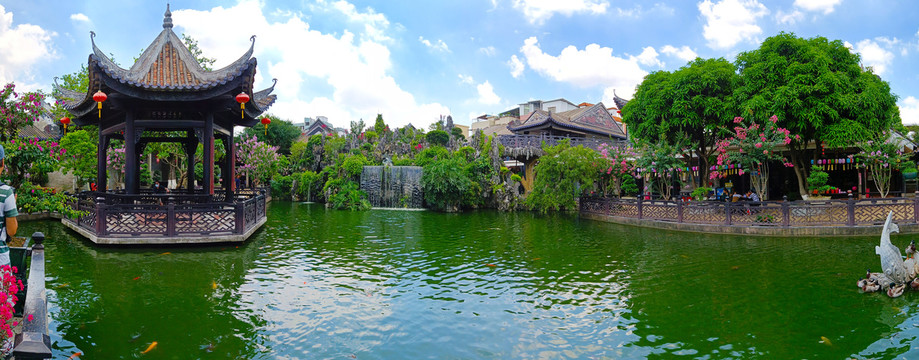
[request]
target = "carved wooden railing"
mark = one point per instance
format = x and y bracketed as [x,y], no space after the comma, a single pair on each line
[33,342]
[537,141]
[843,212]
[170,214]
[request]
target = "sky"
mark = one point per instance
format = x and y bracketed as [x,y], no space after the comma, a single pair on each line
[414,61]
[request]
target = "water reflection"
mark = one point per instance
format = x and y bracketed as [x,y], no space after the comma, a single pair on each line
[316,283]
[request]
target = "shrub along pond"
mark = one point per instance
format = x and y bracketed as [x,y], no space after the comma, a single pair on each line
[318,283]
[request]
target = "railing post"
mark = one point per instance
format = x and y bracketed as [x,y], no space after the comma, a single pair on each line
[34,342]
[171,220]
[100,216]
[640,206]
[240,217]
[728,209]
[786,214]
[916,207]
[679,210]
[850,208]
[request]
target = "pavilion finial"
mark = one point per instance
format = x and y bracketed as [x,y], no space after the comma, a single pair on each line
[167,18]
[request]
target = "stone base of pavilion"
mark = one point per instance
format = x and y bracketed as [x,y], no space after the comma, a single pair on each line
[168,219]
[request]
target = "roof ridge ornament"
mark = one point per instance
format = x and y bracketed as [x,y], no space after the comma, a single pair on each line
[167,18]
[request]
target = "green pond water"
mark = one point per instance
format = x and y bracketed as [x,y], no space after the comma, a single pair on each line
[322,284]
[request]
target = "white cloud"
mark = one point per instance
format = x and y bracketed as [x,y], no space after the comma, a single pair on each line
[731,21]
[826,6]
[516,66]
[875,55]
[24,46]
[375,24]
[648,57]
[80,17]
[487,94]
[355,67]
[594,66]
[909,111]
[538,11]
[683,53]
[789,18]
[488,51]
[466,79]
[439,45]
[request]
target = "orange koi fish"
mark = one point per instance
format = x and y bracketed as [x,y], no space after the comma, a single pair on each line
[151,347]
[491,265]
[166,253]
[214,285]
[75,355]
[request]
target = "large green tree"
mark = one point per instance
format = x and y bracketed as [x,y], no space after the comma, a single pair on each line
[690,105]
[281,133]
[819,90]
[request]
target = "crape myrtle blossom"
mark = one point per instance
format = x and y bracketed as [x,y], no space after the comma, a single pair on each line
[752,147]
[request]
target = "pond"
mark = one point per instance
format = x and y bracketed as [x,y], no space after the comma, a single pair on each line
[382,284]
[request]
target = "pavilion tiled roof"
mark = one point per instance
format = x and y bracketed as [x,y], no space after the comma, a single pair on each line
[594,119]
[166,65]
[620,102]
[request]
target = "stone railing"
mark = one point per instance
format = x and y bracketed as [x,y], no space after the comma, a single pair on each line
[824,213]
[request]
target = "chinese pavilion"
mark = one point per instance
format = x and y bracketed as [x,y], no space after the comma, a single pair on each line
[166,92]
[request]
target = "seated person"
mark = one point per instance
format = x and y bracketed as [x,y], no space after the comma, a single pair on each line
[751,196]
[736,197]
[158,188]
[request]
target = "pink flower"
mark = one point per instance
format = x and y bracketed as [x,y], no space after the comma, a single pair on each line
[765,152]
[30,317]
[758,145]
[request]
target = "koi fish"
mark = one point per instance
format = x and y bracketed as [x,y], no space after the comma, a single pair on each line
[491,265]
[63,285]
[151,347]
[137,278]
[75,355]
[166,253]
[826,341]
[214,285]
[534,259]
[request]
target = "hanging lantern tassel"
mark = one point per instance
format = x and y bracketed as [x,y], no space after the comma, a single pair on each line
[100,98]
[266,121]
[242,99]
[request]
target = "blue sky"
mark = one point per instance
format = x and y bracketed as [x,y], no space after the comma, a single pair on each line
[413,61]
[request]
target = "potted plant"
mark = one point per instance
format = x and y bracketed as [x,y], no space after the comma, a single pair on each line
[629,187]
[700,193]
[909,171]
[816,182]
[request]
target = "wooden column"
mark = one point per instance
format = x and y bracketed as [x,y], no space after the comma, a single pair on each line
[209,154]
[190,146]
[131,166]
[101,154]
[231,166]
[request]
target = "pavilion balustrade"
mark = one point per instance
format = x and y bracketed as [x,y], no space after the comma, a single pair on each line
[840,212]
[537,141]
[170,214]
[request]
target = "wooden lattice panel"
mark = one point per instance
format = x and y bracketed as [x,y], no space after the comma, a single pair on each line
[876,214]
[624,209]
[666,211]
[704,213]
[205,221]
[813,214]
[136,222]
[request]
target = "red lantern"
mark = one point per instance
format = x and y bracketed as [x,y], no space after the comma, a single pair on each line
[266,121]
[99,97]
[66,121]
[242,99]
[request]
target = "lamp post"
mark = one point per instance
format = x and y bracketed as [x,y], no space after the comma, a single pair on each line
[242,99]
[99,97]
[266,121]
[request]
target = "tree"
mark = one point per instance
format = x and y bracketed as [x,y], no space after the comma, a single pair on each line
[18,111]
[659,163]
[881,156]
[564,173]
[437,137]
[445,183]
[379,126]
[689,105]
[753,146]
[818,90]
[256,160]
[620,164]
[281,133]
[79,155]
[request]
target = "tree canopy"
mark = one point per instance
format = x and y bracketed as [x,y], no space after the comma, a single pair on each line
[818,90]
[281,133]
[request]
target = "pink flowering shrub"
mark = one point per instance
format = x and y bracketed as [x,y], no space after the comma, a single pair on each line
[620,163]
[880,157]
[256,160]
[9,286]
[30,160]
[751,148]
